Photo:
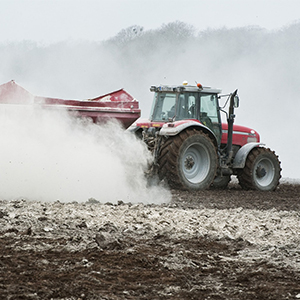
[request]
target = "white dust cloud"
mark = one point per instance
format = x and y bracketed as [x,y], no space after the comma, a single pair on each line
[263,65]
[48,155]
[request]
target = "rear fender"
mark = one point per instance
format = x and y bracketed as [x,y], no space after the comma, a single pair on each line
[172,129]
[241,156]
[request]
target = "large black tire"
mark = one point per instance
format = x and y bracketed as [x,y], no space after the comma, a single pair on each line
[261,171]
[188,161]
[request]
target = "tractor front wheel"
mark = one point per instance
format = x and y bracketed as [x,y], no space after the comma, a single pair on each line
[261,171]
[188,161]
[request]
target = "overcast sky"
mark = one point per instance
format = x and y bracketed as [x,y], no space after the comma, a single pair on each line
[231,59]
[50,21]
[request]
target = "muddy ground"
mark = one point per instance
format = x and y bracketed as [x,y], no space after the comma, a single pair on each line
[229,244]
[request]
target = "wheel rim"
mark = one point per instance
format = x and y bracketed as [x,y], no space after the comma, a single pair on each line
[264,172]
[195,163]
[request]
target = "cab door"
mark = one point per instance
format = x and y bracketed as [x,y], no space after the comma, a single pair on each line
[210,115]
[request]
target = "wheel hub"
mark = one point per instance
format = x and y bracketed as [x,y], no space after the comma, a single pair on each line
[189,162]
[260,172]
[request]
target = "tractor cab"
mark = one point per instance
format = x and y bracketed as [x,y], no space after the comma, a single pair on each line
[177,103]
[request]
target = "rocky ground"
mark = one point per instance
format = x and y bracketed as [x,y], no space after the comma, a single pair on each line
[229,244]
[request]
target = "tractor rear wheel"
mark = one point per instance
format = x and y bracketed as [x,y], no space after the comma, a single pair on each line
[261,171]
[188,161]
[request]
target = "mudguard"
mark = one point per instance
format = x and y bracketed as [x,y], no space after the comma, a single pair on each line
[176,127]
[241,156]
[172,129]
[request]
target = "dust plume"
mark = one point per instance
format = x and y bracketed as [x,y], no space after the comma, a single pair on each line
[262,64]
[48,155]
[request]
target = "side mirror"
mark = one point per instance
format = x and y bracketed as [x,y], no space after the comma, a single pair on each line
[236,101]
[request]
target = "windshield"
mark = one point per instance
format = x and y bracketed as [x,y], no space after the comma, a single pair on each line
[164,106]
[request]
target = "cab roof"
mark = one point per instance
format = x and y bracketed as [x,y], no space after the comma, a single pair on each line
[184,88]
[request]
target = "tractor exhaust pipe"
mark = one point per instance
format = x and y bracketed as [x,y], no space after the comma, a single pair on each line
[230,121]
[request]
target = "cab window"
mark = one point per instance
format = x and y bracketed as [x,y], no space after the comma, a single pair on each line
[209,107]
[186,108]
[209,114]
[165,106]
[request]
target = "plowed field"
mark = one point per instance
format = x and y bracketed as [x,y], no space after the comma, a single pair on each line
[230,244]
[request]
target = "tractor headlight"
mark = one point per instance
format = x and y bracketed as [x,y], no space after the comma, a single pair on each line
[251,139]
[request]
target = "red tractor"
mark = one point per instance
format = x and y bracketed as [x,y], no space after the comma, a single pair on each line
[194,150]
